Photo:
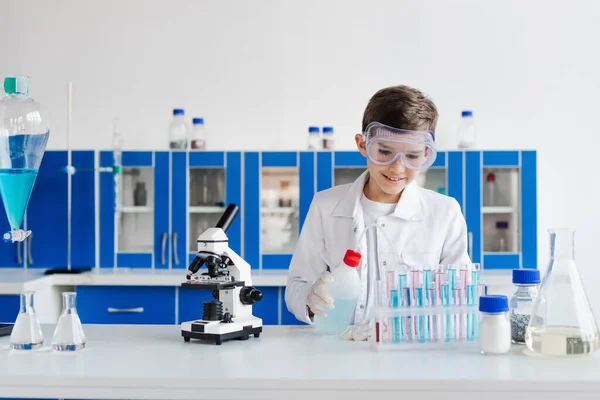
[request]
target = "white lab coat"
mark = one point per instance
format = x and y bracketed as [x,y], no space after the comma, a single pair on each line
[426,228]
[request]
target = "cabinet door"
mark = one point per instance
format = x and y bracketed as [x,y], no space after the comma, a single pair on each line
[162,198]
[268,308]
[9,308]
[47,214]
[127,228]
[272,203]
[501,208]
[287,318]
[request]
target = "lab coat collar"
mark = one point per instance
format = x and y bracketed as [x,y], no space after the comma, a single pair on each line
[409,207]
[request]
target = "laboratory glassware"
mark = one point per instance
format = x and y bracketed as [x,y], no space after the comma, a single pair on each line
[494,326]
[526,282]
[27,332]
[314,139]
[24,132]
[198,134]
[562,322]
[327,138]
[68,335]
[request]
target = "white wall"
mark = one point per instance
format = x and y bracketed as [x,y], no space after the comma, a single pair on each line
[260,72]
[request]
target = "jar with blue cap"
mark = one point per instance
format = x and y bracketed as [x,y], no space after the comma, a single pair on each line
[526,283]
[494,325]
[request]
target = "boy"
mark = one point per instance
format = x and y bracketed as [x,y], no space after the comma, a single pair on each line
[410,225]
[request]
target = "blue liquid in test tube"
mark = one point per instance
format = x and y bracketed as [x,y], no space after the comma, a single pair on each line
[395,320]
[448,329]
[472,327]
[421,319]
[427,281]
[475,278]
[452,279]
[408,322]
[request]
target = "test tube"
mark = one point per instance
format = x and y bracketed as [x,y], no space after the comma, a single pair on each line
[452,278]
[415,281]
[402,281]
[481,291]
[471,329]
[395,320]
[439,278]
[475,278]
[390,285]
[421,319]
[433,319]
[457,316]
[448,320]
[427,282]
[408,325]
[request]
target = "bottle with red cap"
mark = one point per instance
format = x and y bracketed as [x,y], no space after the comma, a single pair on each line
[345,290]
[490,190]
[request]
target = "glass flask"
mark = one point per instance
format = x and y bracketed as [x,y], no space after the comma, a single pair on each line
[562,322]
[24,132]
[68,335]
[27,333]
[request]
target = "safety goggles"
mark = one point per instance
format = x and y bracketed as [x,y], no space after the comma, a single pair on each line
[385,145]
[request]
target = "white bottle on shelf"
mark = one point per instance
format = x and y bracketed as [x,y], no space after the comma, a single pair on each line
[314,138]
[198,135]
[179,130]
[467,132]
[328,142]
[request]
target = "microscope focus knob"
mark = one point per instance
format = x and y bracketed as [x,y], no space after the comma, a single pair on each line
[250,295]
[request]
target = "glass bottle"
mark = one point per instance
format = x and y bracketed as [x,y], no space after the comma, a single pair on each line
[501,240]
[68,335]
[526,282]
[314,139]
[562,322]
[27,333]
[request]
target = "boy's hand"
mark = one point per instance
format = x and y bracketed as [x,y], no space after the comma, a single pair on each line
[320,295]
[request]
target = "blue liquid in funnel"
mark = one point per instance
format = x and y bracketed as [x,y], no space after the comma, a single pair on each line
[15,188]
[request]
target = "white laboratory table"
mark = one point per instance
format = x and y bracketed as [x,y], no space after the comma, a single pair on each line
[153,362]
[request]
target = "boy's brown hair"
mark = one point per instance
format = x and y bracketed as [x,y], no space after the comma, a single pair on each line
[401,107]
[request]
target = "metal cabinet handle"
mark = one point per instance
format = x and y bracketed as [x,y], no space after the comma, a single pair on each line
[19,258]
[163,259]
[29,259]
[126,310]
[470,249]
[175,256]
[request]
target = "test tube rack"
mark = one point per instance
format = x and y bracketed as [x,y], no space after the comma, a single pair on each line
[428,307]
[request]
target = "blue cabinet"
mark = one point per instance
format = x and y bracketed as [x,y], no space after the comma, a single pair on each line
[501,207]
[278,188]
[47,216]
[126,304]
[9,308]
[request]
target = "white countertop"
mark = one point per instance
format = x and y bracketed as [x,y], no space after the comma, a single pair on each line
[15,280]
[153,362]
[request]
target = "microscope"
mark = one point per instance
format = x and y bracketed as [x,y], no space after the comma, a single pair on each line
[229,316]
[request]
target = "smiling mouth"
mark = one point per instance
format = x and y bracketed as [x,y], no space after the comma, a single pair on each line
[394,179]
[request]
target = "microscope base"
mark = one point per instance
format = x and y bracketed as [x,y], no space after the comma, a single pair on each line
[218,332]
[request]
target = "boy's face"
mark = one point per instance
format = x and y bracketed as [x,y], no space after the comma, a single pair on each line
[386,182]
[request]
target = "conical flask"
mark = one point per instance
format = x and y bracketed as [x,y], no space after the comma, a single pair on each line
[27,333]
[24,133]
[68,335]
[562,322]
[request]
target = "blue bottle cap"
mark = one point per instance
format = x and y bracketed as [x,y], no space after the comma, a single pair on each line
[526,276]
[313,129]
[467,113]
[327,129]
[198,121]
[493,304]
[178,111]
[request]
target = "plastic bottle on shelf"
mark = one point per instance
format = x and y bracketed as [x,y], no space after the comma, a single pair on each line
[502,236]
[314,138]
[345,290]
[327,141]
[179,130]
[467,132]
[490,190]
[198,135]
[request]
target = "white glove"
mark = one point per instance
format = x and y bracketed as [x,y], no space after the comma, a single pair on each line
[320,295]
[359,332]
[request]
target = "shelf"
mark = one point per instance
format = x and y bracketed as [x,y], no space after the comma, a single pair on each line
[498,210]
[206,210]
[135,209]
[277,210]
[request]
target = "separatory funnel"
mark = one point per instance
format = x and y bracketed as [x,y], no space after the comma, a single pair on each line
[24,133]
[562,322]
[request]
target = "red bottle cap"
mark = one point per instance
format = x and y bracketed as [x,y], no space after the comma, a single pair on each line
[491,177]
[352,258]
